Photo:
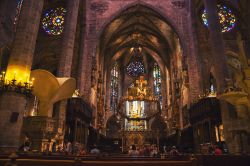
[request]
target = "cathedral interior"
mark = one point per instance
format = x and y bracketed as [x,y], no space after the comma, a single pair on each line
[122,73]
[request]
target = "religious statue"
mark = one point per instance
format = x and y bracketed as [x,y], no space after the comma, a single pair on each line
[93,95]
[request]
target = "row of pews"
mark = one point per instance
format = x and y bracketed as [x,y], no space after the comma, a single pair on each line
[61,160]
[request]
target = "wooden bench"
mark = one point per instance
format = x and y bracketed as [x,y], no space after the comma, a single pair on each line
[42,162]
[38,160]
[62,160]
[223,160]
[124,160]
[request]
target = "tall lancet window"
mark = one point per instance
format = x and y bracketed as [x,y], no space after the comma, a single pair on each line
[212,86]
[114,87]
[157,82]
[18,11]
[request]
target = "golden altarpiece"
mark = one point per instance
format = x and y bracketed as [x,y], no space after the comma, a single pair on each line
[136,110]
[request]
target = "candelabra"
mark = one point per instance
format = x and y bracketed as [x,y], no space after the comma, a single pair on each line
[14,85]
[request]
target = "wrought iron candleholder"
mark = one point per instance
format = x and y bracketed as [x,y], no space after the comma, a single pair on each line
[15,86]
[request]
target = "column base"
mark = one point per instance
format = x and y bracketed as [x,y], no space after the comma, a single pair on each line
[12,106]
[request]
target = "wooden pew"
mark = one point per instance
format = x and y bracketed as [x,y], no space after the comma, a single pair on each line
[124,160]
[223,160]
[42,162]
[97,161]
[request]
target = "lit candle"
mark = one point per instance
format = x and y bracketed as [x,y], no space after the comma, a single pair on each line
[14,75]
[30,84]
[33,79]
[3,76]
[20,81]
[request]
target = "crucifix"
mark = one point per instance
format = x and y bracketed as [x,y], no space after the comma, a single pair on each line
[141,84]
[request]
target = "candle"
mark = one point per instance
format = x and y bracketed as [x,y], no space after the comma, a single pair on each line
[14,75]
[27,77]
[20,81]
[3,75]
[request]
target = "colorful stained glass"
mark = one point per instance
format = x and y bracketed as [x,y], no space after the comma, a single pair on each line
[114,87]
[135,68]
[226,17]
[212,88]
[157,82]
[53,21]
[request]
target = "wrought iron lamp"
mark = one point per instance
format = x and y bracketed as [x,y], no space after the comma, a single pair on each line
[14,85]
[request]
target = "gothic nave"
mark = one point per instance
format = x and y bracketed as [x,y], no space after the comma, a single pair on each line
[96,82]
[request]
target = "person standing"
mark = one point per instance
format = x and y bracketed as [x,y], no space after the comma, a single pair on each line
[147,150]
[133,152]
[82,151]
[95,150]
[154,152]
[54,147]
[217,151]
[174,151]
[68,148]
[27,145]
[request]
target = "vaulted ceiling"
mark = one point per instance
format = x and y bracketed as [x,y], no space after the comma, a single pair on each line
[138,26]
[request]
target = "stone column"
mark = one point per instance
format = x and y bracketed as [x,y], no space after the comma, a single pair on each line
[217,45]
[191,57]
[88,51]
[86,67]
[21,56]
[68,43]
[12,105]
[219,61]
[67,52]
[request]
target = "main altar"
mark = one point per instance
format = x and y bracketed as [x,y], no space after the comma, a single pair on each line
[137,109]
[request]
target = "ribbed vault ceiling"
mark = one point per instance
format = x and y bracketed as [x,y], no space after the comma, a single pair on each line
[137,26]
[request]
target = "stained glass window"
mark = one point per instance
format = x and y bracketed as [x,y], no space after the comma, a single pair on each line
[212,85]
[226,17]
[135,68]
[157,82]
[53,21]
[18,11]
[114,87]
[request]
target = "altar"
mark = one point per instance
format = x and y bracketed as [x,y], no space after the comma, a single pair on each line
[136,110]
